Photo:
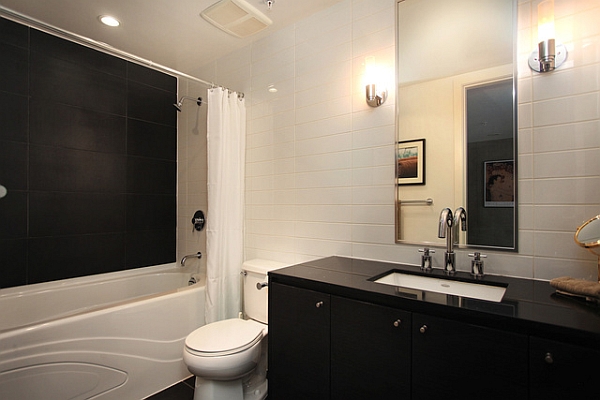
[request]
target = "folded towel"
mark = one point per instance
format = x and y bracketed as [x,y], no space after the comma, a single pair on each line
[577,286]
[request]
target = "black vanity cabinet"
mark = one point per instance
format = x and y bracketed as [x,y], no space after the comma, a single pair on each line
[330,347]
[562,371]
[457,360]
[299,343]
[370,351]
[336,334]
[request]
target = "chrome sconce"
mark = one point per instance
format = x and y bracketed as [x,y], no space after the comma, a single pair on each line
[548,55]
[376,93]
[375,96]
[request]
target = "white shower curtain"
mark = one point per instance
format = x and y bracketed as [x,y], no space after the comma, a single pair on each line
[226,136]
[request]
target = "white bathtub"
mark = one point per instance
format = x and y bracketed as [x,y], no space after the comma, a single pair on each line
[109,336]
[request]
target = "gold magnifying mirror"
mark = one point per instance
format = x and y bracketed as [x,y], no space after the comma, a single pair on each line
[588,236]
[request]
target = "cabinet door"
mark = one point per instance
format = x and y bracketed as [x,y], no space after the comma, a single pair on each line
[370,351]
[298,343]
[562,371]
[466,361]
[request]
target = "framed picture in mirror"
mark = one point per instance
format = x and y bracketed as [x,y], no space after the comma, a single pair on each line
[499,183]
[410,162]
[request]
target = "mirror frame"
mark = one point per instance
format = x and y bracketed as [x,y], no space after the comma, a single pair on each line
[587,245]
[397,204]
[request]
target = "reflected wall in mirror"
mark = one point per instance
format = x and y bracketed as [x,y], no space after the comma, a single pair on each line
[456,90]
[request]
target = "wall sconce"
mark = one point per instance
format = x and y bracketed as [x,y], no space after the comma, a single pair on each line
[548,55]
[376,91]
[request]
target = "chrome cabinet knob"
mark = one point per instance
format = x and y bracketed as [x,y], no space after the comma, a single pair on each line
[423,329]
[548,358]
[397,323]
[319,304]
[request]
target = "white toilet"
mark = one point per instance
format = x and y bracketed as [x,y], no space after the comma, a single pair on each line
[229,357]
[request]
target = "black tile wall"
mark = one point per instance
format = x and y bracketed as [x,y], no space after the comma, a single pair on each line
[150,104]
[13,214]
[68,170]
[13,33]
[14,259]
[13,69]
[88,148]
[150,247]
[13,165]
[13,117]
[60,213]
[58,81]
[80,56]
[61,257]
[76,128]
[151,176]
[146,139]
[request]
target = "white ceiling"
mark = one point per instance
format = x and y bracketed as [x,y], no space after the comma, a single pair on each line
[166,32]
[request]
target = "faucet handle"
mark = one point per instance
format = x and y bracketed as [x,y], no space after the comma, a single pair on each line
[477,256]
[477,264]
[426,251]
[426,263]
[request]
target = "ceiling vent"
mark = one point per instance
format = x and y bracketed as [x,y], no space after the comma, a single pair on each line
[236,17]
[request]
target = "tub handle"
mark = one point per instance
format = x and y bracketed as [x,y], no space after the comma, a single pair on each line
[197,255]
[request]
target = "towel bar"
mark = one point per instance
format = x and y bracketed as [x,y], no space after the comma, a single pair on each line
[428,201]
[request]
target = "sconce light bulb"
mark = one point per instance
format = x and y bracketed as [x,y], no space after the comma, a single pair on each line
[546,20]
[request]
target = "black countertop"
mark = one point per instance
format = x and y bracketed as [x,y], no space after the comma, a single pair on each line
[528,306]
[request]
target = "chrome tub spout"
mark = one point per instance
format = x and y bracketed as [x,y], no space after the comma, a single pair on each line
[197,255]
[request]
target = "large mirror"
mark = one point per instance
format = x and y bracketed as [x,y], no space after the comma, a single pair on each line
[456,120]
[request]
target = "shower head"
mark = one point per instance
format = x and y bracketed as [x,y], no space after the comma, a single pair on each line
[179,104]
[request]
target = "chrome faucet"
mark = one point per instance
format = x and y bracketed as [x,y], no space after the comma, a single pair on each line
[445,231]
[447,225]
[460,215]
[197,255]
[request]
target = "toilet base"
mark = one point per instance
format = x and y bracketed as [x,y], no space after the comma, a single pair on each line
[236,389]
[218,390]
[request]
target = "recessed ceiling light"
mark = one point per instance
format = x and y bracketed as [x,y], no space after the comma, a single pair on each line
[272,89]
[108,20]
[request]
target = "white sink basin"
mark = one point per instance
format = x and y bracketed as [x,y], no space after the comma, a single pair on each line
[445,286]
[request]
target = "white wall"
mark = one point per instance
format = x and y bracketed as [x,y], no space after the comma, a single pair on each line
[320,162]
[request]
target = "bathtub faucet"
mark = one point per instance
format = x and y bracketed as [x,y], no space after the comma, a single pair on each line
[197,255]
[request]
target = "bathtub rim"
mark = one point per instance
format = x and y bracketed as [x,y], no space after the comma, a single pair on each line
[25,290]
[104,277]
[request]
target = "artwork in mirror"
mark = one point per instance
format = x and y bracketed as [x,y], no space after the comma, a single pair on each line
[456,91]
[410,162]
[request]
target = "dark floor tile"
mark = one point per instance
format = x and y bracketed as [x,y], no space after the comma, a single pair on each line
[181,391]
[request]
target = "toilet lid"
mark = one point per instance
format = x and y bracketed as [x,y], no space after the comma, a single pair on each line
[224,337]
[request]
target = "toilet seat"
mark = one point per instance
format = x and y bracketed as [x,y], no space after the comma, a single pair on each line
[225,337]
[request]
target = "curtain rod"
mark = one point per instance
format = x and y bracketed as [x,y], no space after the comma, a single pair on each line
[93,44]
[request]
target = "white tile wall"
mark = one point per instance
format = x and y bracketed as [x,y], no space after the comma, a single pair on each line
[320,161]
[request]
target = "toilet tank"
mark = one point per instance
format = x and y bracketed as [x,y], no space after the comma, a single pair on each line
[256,300]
